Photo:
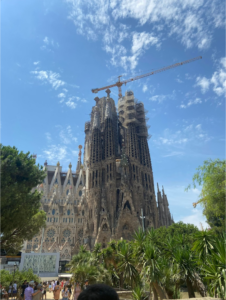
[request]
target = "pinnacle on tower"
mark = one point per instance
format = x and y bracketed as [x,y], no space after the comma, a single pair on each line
[79,159]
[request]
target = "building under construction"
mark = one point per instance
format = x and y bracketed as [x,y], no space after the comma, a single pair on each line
[112,192]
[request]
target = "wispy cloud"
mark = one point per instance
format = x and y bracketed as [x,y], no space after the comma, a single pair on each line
[145,88]
[193,25]
[60,146]
[48,42]
[190,134]
[217,82]
[49,77]
[196,218]
[48,136]
[36,63]
[174,153]
[70,103]
[191,102]
[161,98]
[55,153]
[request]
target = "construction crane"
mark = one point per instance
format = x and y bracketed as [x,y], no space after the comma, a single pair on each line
[120,83]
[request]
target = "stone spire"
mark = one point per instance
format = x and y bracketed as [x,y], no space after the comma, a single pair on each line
[96,119]
[108,110]
[79,159]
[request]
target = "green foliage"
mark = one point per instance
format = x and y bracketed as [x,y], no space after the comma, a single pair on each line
[163,259]
[21,218]
[18,276]
[161,236]
[212,197]
[138,293]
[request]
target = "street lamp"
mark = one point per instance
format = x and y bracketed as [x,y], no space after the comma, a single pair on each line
[14,269]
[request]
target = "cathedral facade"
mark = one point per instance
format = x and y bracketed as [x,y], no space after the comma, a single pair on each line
[112,192]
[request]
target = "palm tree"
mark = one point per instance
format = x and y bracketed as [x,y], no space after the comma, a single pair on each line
[203,244]
[127,264]
[151,261]
[214,269]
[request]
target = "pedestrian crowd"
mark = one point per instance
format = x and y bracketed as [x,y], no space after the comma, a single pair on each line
[33,290]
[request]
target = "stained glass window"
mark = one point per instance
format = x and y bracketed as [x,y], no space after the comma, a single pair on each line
[53,212]
[66,233]
[80,193]
[68,212]
[51,232]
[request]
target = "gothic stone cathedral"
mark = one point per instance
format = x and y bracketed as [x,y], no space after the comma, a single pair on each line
[104,198]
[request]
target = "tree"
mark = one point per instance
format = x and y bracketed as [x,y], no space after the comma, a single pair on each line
[21,217]
[212,197]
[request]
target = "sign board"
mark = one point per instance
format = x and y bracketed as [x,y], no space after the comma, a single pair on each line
[48,263]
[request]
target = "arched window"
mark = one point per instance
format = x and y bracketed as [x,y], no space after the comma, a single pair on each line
[68,212]
[80,193]
[53,212]
[127,205]
[105,228]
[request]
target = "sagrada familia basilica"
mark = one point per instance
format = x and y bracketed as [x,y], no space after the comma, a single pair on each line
[112,193]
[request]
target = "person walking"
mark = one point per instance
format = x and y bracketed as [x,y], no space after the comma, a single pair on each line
[10,290]
[15,290]
[86,284]
[65,293]
[44,290]
[77,291]
[29,291]
[56,292]
[50,287]
[23,287]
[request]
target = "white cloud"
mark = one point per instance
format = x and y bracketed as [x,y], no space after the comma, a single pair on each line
[70,103]
[191,102]
[36,63]
[190,134]
[65,90]
[145,88]
[217,81]
[50,77]
[46,40]
[192,22]
[161,98]
[84,100]
[61,95]
[49,42]
[174,153]
[55,153]
[204,83]
[196,218]
[59,149]
[141,41]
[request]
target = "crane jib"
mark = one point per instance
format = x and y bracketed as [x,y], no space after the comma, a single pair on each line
[120,83]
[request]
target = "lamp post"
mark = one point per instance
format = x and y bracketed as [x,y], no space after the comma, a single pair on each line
[40,250]
[14,269]
[142,217]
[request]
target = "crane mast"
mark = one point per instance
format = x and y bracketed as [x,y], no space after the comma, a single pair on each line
[120,83]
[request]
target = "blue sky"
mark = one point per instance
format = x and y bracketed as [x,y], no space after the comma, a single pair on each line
[55,52]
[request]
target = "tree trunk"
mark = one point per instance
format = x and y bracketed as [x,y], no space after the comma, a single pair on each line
[160,291]
[121,281]
[155,294]
[191,293]
[200,286]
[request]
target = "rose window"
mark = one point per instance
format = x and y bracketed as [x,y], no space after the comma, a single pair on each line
[51,232]
[66,233]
